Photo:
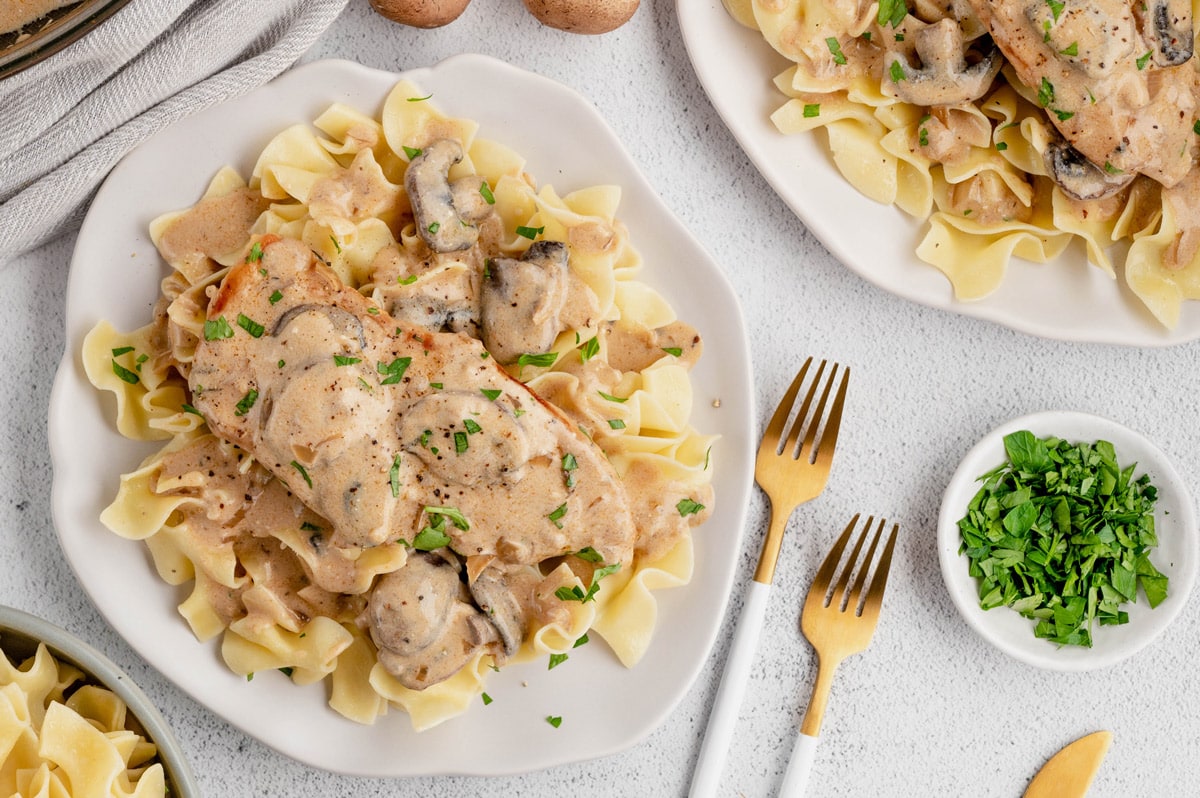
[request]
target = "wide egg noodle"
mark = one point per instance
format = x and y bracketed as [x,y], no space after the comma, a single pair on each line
[170,501]
[60,737]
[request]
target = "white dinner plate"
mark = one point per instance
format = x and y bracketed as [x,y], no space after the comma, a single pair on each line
[1067,299]
[115,274]
[1176,555]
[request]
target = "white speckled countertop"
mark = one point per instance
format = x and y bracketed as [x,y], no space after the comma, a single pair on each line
[930,709]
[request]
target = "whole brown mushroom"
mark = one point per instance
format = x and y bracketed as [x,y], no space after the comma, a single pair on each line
[421,13]
[583,16]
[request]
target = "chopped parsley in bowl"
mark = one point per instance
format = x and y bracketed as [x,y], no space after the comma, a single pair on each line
[1067,540]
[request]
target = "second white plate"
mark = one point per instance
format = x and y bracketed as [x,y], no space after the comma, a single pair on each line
[115,275]
[1068,299]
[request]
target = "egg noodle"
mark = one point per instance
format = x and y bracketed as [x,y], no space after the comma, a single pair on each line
[975,171]
[251,586]
[60,736]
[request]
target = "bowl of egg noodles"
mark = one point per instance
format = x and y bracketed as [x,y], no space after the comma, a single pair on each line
[71,723]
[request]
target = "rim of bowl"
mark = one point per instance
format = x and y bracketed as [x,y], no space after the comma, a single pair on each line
[1065,423]
[68,647]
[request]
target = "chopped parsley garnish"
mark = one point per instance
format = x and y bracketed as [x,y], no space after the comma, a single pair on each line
[189,409]
[556,660]
[487,699]
[394,370]
[434,227]
[835,48]
[491,393]
[673,350]
[688,507]
[589,349]
[616,423]
[1063,116]
[589,554]
[286,671]
[419,99]
[554,720]
[409,280]
[309,526]
[256,253]
[569,464]
[121,351]
[434,536]
[485,191]
[923,137]
[544,360]
[336,245]
[891,12]
[1001,146]
[303,472]
[250,325]
[1143,60]
[1070,49]
[812,110]
[557,515]
[611,398]
[1196,127]
[345,360]
[394,476]
[216,329]
[125,374]
[281,363]
[1056,8]
[1112,170]
[1062,534]
[581,641]
[1045,93]
[896,71]
[276,296]
[461,444]
[470,426]
[530,232]
[412,152]
[246,402]
[577,593]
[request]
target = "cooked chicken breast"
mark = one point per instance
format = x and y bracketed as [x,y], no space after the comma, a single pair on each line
[390,431]
[1117,79]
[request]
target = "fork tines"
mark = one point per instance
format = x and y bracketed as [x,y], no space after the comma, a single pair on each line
[811,431]
[860,580]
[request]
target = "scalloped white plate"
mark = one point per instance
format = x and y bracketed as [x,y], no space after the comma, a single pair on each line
[1176,554]
[115,274]
[1068,299]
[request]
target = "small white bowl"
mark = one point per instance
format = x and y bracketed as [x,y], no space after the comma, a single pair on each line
[20,634]
[1176,555]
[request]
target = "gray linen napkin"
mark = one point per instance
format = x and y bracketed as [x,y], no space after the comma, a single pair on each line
[65,122]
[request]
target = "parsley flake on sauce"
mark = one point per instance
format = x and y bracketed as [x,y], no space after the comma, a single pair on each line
[485,191]
[688,507]
[256,253]
[250,325]
[491,393]
[530,232]
[835,49]
[544,360]
[412,152]
[303,472]
[589,349]
[557,515]
[394,477]
[276,296]
[216,329]
[345,360]
[246,402]
[394,370]
[896,72]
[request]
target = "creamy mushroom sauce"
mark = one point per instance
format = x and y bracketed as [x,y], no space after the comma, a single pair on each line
[374,427]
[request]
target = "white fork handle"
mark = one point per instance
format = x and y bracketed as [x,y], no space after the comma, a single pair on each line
[723,719]
[799,766]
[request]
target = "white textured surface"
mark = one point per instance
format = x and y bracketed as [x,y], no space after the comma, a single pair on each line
[929,709]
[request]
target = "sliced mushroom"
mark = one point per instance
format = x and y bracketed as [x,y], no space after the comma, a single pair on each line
[340,321]
[444,213]
[522,301]
[1167,27]
[495,595]
[944,77]
[421,619]
[1079,177]
[444,301]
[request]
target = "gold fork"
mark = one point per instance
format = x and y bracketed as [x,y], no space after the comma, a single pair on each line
[792,468]
[839,619]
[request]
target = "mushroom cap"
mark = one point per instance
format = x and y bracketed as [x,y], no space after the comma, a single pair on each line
[583,16]
[421,13]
